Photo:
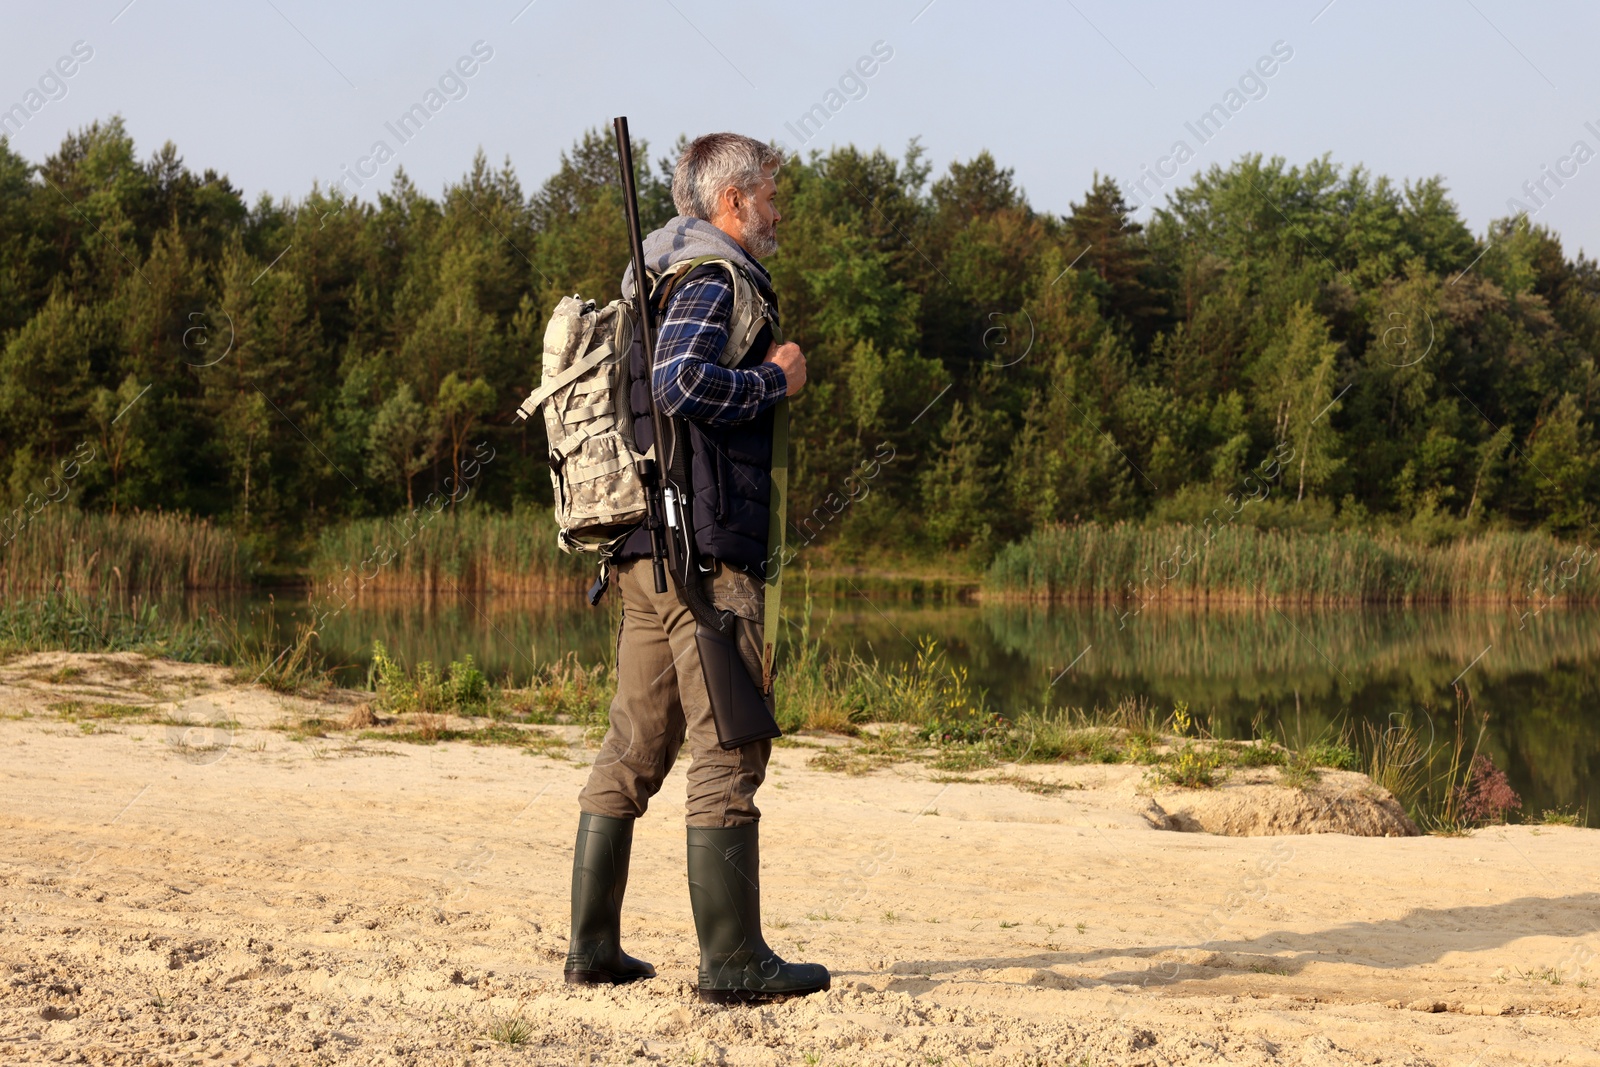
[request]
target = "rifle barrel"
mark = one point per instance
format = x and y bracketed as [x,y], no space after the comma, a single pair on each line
[662,544]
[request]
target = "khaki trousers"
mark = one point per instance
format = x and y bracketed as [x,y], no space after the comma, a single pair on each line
[661,706]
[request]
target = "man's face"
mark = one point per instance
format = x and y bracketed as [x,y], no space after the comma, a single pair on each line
[757,218]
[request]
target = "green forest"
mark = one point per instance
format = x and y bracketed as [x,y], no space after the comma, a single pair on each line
[284,367]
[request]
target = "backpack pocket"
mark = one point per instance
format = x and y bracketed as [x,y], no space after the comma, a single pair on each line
[602,484]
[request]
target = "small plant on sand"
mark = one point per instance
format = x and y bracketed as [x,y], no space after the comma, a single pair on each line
[564,691]
[844,761]
[1256,754]
[1182,722]
[1054,736]
[972,729]
[1191,766]
[1548,975]
[468,688]
[511,1031]
[1303,757]
[307,727]
[1297,772]
[428,726]
[1139,751]
[932,688]
[1559,817]
[79,711]
[282,664]
[1136,718]
[1034,786]
[963,758]
[1445,786]
[462,688]
[1335,754]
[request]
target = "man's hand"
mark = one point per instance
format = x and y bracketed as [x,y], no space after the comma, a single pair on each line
[792,362]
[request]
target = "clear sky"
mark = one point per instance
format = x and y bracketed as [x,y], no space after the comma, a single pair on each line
[280,93]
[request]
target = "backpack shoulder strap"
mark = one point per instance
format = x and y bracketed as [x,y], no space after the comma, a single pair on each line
[667,282]
[751,310]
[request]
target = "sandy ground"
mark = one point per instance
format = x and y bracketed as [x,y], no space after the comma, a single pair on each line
[178,894]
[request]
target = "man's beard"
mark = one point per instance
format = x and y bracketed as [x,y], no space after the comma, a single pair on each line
[760,235]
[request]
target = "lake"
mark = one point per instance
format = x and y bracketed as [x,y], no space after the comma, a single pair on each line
[1285,673]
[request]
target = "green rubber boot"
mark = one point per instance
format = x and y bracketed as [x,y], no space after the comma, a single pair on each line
[736,965]
[599,876]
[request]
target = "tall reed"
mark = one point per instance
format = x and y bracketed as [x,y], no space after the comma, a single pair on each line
[1428,776]
[136,553]
[1132,563]
[456,549]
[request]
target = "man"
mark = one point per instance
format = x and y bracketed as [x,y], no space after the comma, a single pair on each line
[724,189]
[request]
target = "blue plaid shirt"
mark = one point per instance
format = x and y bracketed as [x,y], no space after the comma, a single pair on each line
[687,379]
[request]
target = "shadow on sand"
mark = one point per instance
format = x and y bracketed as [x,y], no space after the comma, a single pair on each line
[1422,935]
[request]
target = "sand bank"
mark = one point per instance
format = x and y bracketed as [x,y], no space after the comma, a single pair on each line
[188,894]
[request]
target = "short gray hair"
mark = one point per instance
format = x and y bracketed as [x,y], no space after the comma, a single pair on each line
[715,162]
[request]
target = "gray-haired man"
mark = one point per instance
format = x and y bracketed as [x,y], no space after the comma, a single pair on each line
[725,388]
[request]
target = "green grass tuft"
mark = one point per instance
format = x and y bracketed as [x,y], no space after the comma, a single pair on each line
[511,1031]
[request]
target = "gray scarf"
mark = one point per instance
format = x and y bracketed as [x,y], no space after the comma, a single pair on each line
[684,238]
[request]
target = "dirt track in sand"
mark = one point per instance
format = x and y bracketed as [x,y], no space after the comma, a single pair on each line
[172,894]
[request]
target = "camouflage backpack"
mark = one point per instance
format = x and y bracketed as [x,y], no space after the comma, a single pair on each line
[599,498]
[593,467]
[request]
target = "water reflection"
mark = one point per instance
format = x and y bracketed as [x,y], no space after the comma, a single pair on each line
[1299,673]
[1264,670]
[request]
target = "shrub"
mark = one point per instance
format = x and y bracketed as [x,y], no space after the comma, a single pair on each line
[461,689]
[1335,754]
[1486,796]
[1193,766]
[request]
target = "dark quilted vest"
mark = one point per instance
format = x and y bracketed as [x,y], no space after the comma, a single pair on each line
[730,466]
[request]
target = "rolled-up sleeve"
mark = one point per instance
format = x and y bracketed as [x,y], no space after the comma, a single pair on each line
[687,379]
